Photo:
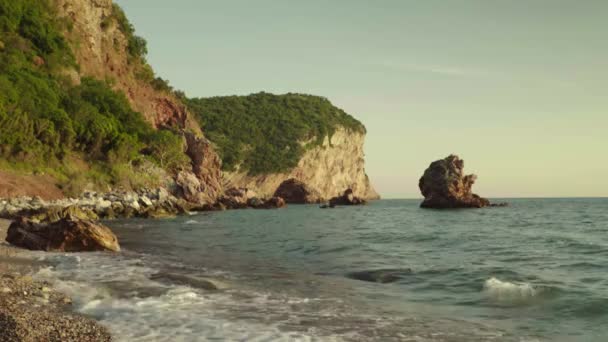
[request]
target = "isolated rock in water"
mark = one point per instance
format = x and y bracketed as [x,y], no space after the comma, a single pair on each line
[65,235]
[297,192]
[443,185]
[380,276]
[237,198]
[273,203]
[348,198]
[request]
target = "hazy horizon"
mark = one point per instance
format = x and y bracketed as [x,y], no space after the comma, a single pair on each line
[517,89]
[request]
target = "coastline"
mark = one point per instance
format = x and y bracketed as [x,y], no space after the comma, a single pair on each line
[33,311]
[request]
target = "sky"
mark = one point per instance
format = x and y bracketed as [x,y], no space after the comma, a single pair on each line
[518,89]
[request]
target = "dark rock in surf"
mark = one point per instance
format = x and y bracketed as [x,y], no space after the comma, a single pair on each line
[380,276]
[273,203]
[348,198]
[444,186]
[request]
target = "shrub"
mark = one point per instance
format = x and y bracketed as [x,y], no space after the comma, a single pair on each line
[44,121]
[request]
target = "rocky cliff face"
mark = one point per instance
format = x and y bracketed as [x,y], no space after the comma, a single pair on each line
[338,164]
[101,50]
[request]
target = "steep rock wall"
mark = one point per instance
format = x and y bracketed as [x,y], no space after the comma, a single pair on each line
[100,48]
[338,164]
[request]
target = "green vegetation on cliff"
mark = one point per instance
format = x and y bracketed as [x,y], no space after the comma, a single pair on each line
[264,133]
[47,120]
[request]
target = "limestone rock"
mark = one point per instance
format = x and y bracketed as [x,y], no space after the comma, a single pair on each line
[297,192]
[337,164]
[444,185]
[65,235]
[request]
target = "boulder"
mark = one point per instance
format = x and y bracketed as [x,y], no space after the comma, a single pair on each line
[297,192]
[65,235]
[444,185]
[255,202]
[380,276]
[348,198]
[145,201]
[273,203]
[236,198]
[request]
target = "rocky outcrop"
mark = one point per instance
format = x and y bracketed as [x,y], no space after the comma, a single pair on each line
[101,50]
[444,185]
[241,198]
[329,169]
[294,191]
[347,198]
[65,235]
[206,166]
[273,203]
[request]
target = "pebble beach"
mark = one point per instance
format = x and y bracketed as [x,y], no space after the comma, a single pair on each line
[33,311]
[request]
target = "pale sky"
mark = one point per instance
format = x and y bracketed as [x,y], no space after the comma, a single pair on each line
[518,89]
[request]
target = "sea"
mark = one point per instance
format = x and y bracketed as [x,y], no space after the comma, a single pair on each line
[536,270]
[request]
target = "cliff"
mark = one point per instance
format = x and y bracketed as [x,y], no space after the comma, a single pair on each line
[81,109]
[265,139]
[101,48]
[329,169]
[76,69]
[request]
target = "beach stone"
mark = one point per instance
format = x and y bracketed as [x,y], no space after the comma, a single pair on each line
[65,235]
[444,185]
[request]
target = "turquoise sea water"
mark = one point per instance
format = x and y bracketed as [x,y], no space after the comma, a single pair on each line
[533,271]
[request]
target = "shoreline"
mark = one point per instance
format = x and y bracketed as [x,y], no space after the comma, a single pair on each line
[32,310]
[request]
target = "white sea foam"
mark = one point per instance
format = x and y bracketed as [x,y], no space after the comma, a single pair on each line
[507,291]
[191,222]
[118,291]
[168,313]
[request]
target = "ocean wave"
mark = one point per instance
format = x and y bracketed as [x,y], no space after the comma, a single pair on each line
[504,291]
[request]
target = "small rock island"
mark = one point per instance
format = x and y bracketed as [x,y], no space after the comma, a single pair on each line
[444,186]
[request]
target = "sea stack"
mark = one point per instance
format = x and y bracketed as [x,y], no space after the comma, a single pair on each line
[444,186]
